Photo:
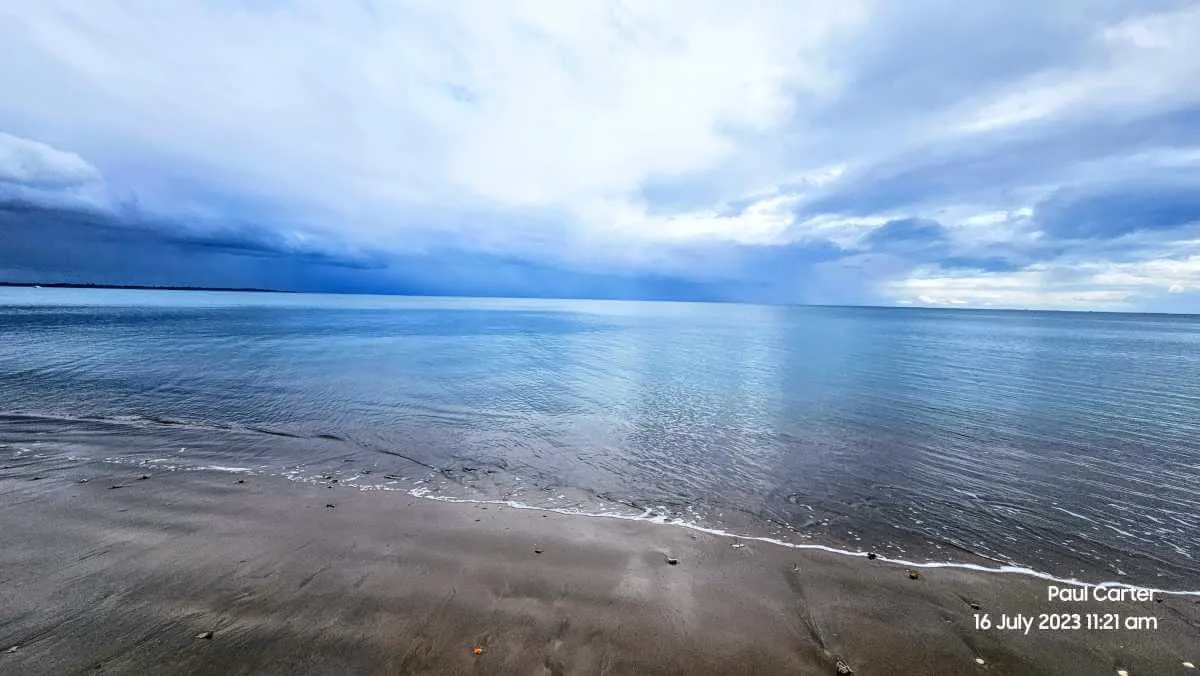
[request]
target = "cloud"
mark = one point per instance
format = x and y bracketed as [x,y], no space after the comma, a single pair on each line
[787,151]
[1112,211]
[1104,285]
[1032,288]
[42,242]
[35,172]
[377,105]
[906,233]
[37,165]
[1008,168]
[44,245]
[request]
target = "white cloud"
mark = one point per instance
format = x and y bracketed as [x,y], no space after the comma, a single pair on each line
[37,173]
[1174,275]
[1033,288]
[763,222]
[1063,285]
[369,108]
[35,164]
[1147,60]
[766,219]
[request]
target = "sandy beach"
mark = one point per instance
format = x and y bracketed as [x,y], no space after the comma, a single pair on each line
[124,574]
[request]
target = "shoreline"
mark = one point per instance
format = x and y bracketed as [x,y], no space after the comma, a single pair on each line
[123,573]
[999,569]
[420,491]
[1066,564]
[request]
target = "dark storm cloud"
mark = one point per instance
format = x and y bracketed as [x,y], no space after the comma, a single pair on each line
[41,244]
[1110,211]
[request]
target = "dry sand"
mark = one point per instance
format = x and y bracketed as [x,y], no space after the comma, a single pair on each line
[96,579]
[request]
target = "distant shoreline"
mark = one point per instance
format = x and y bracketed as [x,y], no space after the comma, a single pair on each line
[427,294]
[135,287]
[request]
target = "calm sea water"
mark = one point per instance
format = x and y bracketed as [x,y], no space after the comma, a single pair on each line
[1067,442]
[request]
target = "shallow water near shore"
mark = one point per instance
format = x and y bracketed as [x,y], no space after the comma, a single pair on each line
[1064,442]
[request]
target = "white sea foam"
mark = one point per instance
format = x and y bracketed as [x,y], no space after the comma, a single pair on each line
[1122,532]
[231,470]
[1074,514]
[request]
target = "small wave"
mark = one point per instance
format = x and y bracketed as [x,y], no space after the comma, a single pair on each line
[152,421]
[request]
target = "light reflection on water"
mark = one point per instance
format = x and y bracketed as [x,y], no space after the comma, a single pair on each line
[1065,441]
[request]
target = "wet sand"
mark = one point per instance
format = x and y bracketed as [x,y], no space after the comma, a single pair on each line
[127,575]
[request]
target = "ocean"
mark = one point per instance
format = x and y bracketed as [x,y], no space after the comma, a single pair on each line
[1065,442]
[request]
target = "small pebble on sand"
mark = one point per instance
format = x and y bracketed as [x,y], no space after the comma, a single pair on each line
[912,574]
[979,660]
[1189,665]
[205,635]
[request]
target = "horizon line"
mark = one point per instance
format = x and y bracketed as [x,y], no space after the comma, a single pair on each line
[221,289]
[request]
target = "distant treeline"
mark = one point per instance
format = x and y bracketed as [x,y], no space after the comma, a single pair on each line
[70,285]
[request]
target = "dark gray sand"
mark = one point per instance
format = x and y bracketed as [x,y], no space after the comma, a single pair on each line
[303,579]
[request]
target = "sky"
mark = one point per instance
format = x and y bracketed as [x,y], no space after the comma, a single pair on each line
[1010,154]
